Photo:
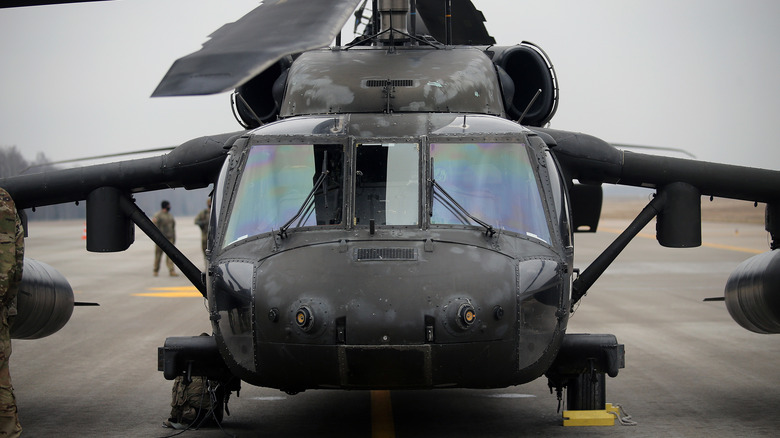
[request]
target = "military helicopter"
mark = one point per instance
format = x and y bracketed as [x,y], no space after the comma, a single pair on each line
[395,214]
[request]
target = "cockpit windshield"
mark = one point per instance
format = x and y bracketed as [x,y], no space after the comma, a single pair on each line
[288,186]
[275,185]
[494,182]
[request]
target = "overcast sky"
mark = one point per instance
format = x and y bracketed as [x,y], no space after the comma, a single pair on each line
[702,75]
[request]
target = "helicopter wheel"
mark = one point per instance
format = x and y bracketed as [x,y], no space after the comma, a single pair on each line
[586,392]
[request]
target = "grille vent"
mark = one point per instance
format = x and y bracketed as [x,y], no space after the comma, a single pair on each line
[393,82]
[379,254]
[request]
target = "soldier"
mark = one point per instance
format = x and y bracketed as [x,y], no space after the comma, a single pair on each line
[202,220]
[11,264]
[167,225]
[191,404]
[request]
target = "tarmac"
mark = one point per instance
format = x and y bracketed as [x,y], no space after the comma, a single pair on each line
[690,370]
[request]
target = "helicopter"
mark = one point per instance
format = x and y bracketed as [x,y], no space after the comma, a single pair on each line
[395,214]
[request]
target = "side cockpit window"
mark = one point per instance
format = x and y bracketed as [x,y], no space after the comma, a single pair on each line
[301,183]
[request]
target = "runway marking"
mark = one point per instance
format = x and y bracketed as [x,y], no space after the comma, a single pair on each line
[704,244]
[510,395]
[171,292]
[732,248]
[381,415]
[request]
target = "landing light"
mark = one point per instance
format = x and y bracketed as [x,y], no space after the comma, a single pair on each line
[466,315]
[304,318]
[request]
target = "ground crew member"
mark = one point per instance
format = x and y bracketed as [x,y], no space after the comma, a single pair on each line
[191,404]
[11,264]
[167,225]
[202,220]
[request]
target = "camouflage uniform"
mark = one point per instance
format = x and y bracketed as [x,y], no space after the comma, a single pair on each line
[190,402]
[202,220]
[167,225]
[11,264]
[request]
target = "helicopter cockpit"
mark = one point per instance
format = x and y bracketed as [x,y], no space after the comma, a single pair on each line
[446,184]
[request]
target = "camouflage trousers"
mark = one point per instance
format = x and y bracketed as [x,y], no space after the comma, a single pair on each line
[158,256]
[189,402]
[9,419]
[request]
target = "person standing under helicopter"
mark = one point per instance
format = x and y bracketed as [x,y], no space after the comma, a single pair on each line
[164,220]
[202,221]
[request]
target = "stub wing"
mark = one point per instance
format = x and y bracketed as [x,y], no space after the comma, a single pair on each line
[193,164]
[592,160]
[751,293]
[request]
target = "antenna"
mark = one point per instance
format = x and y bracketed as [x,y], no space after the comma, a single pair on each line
[448,21]
[413,17]
[375,15]
[522,116]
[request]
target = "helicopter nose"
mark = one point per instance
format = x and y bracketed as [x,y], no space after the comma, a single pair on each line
[375,295]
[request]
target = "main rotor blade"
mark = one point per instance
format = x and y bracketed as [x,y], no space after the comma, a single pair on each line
[97,157]
[239,51]
[468,22]
[654,148]
[23,3]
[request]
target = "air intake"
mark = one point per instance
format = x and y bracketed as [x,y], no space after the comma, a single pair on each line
[392,82]
[382,254]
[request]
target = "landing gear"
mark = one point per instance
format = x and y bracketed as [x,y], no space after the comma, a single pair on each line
[586,392]
[194,362]
[581,366]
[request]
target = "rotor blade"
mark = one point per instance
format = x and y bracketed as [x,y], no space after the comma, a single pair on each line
[97,157]
[468,22]
[239,51]
[653,148]
[23,3]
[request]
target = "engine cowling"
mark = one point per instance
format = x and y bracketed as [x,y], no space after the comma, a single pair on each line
[44,303]
[528,69]
[261,96]
[753,293]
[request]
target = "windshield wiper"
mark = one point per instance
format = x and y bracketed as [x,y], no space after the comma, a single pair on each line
[451,204]
[305,206]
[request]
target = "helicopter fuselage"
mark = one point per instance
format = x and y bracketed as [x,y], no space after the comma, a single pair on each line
[386,278]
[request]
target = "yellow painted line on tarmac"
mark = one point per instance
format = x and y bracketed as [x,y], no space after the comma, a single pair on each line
[733,248]
[170,292]
[705,244]
[382,415]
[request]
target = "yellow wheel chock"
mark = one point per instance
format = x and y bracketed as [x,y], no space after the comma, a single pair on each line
[598,417]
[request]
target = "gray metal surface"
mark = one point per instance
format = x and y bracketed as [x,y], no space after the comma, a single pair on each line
[690,370]
[417,80]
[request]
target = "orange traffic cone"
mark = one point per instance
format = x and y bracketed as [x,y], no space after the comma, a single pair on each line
[84,233]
